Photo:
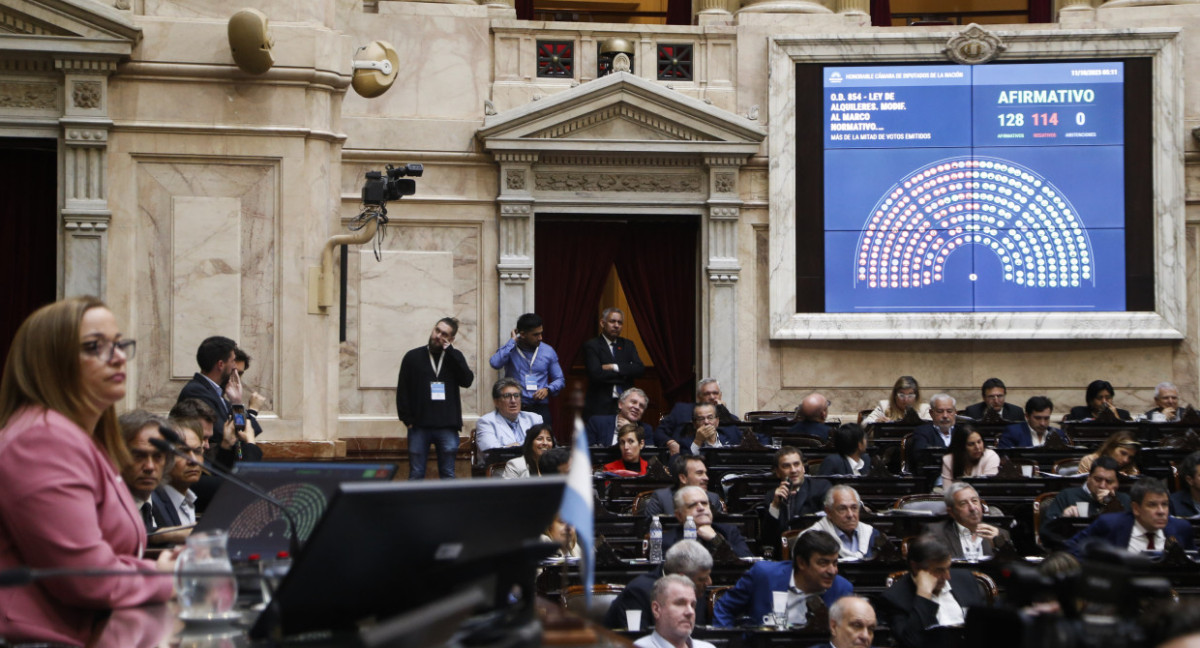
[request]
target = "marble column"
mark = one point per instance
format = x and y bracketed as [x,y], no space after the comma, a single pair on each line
[515,221]
[783,6]
[85,215]
[862,7]
[722,270]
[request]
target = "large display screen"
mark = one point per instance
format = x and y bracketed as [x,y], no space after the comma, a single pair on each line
[986,188]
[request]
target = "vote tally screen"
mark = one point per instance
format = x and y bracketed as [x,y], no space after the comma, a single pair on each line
[974,188]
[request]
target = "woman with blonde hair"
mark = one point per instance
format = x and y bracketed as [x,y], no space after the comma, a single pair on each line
[63,503]
[906,393]
[1121,446]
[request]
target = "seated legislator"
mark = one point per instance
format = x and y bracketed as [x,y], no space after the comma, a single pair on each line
[843,507]
[687,470]
[175,498]
[1185,502]
[1099,398]
[63,504]
[563,535]
[851,458]
[631,439]
[938,432]
[703,432]
[708,392]
[1146,527]
[538,439]
[602,429]
[692,501]
[906,393]
[930,596]
[506,425]
[851,623]
[812,574]
[796,495]
[674,610]
[687,558]
[965,534]
[1166,404]
[145,473]
[812,412]
[1036,428]
[994,393]
[1099,489]
[1120,446]
[968,456]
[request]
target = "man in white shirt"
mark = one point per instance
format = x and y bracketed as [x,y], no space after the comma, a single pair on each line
[843,507]
[507,424]
[674,609]
[176,494]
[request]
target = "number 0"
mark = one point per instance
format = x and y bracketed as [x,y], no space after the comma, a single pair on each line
[1080,118]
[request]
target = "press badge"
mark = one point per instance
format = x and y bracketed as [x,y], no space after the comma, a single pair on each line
[437,391]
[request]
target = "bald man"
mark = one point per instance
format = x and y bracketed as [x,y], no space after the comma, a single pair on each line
[811,416]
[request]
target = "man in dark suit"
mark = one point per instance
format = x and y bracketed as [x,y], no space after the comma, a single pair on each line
[813,411]
[851,623]
[1145,528]
[612,365]
[1036,428]
[965,533]
[795,496]
[1098,491]
[703,432]
[602,430]
[937,433]
[175,497]
[692,501]
[674,424]
[688,470]
[811,576]
[994,393]
[686,557]
[217,380]
[920,601]
[1185,502]
[1166,404]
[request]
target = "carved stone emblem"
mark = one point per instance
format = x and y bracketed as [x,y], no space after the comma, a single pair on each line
[621,63]
[648,182]
[86,94]
[514,179]
[14,94]
[974,45]
[724,182]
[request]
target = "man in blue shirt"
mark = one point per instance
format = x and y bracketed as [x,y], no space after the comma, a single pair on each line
[532,363]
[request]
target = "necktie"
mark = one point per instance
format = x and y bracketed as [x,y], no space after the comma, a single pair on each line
[1150,541]
[148,516]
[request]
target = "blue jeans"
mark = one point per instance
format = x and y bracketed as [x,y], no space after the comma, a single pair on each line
[444,440]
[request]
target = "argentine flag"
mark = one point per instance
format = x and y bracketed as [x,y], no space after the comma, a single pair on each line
[576,508]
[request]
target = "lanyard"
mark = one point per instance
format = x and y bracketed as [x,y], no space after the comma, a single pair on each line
[529,360]
[437,368]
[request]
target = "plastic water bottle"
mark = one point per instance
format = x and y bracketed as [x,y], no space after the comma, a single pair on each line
[656,541]
[689,529]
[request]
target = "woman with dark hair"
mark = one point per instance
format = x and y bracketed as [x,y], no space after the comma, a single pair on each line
[631,441]
[851,458]
[1121,446]
[1099,398]
[538,439]
[968,456]
[63,503]
[906,393]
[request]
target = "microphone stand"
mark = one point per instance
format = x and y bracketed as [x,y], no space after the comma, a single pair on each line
[169,446]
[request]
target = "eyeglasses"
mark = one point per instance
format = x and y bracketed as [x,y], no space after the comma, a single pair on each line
[107,349]
[510,396]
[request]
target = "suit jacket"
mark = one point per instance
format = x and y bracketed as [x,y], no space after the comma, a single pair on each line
[66,508]
[811,428]
[1069,497]
[909,615]
[1182,504]
[493,431]
[727,533]
[866,535]
[1019,435]
[1009,412]
[947,530]
[199,387]
[638,595]
[675,424]
[751,596]
[1116,529]
[808,499]
[596,354]
[164,508]
[836,464]
[602,431]
[924,436]
[1081,412]
[662,502]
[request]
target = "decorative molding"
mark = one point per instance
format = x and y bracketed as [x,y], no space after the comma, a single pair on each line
[13,23]
[86,94]
[725,276]
[618,160]
[29,65]
[524,210]
[513,276]
[514,179]
[85,65]
[85,227]
[517,156]
[724,160]
[86,136]
[724,213]
[974,45]
[617,182]
[19,94]
[623,111]
[724,182]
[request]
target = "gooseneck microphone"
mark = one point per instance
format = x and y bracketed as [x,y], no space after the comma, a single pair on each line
[169,446]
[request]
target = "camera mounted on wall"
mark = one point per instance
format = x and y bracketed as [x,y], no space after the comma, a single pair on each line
[380,187]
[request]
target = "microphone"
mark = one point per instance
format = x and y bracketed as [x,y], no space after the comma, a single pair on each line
[18,576]
[169,446]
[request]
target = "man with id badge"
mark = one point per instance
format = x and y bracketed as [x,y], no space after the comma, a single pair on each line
[532,363]
[427,399]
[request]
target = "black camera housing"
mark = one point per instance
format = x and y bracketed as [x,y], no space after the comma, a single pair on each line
[378,190]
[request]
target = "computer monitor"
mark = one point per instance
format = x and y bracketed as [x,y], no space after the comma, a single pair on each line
[256,526]
[383,549]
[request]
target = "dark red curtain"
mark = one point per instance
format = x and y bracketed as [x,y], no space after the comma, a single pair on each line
[572,264]
[28,229]
[524,9]
[660,283]
[679,12]
[881,13]
[1040,11]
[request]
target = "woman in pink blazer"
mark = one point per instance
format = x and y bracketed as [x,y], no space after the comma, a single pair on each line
[62,501]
